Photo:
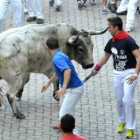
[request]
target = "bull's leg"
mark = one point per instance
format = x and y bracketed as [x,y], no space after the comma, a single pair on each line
[56,87]
[12,90]
[24,81]
[55,83]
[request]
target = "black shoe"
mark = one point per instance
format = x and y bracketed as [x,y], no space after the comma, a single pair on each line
[30,19]
[57,8]
[51,2]
[112,7]
[121,13]
[81,3]
[40,21]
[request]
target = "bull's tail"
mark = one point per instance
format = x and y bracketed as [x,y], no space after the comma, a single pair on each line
[2,100]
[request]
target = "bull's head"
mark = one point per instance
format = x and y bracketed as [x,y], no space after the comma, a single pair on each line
[81,47]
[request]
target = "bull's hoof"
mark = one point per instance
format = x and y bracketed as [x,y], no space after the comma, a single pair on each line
[57,99]
[19,94]
[19,116]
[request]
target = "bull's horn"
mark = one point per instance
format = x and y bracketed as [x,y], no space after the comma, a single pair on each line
[72,39]
[92,32]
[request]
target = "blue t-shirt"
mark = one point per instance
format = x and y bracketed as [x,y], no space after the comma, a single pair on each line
[62,62]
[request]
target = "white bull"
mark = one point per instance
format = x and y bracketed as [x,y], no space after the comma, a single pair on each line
[22,51]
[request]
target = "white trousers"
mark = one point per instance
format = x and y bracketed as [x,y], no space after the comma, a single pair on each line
[69,101]
[58,2]
[17,9]
[132,7]
[35,8]
[124,93]
[123,6]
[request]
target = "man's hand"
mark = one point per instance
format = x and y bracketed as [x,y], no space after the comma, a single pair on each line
[131,79]
[94,72]
[60,92]
[45,86]
[95,69]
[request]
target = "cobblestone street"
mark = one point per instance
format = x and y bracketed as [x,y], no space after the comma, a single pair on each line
[95,113]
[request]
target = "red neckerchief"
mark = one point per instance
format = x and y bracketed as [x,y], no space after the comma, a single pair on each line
[121,35]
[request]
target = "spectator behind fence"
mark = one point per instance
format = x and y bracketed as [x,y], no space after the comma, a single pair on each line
[67,124]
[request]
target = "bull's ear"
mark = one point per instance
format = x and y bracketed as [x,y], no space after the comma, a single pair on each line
[72,39]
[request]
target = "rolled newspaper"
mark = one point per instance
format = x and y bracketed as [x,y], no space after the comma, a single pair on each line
[87,78]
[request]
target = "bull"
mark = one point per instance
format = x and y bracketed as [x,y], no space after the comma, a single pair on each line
[22,52]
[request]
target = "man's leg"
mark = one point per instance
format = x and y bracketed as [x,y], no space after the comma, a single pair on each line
[132,7]
[3,9]
[118,87]
[70,100]
[122,9]
[58,4]
[18,12]
[39,11]
[129,105]
[31,10]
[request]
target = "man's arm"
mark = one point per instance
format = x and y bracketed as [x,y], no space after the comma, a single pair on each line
[136,53]
[46,85]
[67,75]
[102,61]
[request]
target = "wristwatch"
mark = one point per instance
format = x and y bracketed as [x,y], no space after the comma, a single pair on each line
[135,75]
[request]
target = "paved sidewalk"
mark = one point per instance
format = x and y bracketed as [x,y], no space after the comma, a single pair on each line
[96,115]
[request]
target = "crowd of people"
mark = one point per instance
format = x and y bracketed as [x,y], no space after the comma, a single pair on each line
[123,48]
[35,10]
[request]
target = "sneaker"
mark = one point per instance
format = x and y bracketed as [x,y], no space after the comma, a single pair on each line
[112,7]
[51,2]
[81,3]
[40,21]
[30,19]
[121,13]
[25,11]
[57,127]
[129,29]
[120,127]
[57,8]
[129,133]
[104,10]
[92,2]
